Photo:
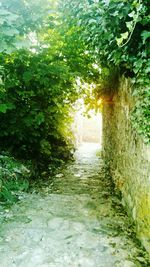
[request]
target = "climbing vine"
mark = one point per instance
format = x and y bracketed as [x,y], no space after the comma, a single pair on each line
[117,34]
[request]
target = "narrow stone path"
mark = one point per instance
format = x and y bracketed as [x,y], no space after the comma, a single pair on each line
[74,222]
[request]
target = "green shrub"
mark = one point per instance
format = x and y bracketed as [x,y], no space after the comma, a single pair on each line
[36,105]
[13,178]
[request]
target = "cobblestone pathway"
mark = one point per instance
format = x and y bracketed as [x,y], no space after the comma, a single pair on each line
[74,222]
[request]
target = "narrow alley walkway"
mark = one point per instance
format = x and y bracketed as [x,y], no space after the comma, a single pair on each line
[74,222]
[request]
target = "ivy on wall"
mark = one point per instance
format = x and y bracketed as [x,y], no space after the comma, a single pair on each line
[117,34]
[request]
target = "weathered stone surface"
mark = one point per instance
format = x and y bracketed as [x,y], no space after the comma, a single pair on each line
[129,159]
[75,221]
[127,264]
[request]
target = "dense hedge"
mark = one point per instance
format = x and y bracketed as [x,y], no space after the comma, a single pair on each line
[38,92]
[36,105]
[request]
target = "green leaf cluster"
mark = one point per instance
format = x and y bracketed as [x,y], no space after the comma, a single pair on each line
[35,103]
[13,178]
[18,19]
[41,57]
[117,34]
[38,83]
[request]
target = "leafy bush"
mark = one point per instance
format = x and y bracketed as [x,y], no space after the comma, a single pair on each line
[36,104]
[38,93]
[18,19]
[13,178]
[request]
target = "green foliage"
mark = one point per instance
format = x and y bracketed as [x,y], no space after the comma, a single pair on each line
[108,83]
[40,59]
[35,104]
[13,178]
[38,93]
[117,34]
[18,18]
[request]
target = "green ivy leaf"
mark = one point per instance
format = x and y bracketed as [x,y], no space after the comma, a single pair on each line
[27,76]
[129,25]
[124,35]
[145,35]
[5,107]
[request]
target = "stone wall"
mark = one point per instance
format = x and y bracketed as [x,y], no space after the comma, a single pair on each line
[129,159]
